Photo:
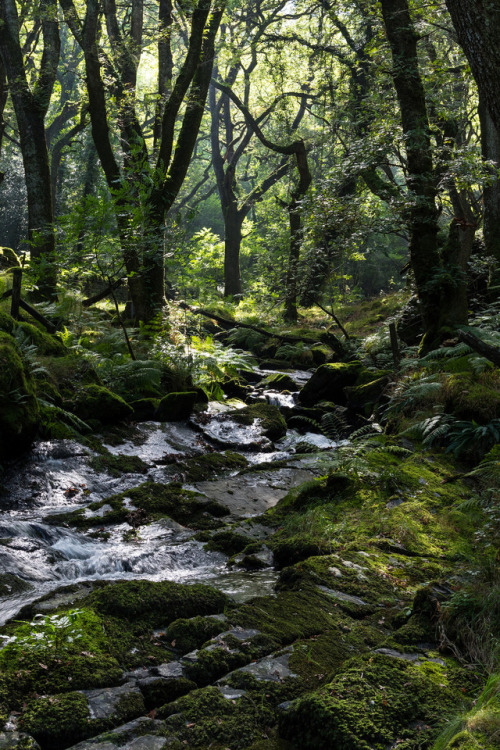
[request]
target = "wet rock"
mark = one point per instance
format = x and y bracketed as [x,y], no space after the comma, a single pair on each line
[144,408]
[272,423]
[269,669]
[328,383]
[280,382]
[176,406]
[107,703]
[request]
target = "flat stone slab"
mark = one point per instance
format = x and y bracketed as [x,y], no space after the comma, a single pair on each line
[268,669]
[135,735]
[173,670]
[253,493]
[103,701]
[348,598]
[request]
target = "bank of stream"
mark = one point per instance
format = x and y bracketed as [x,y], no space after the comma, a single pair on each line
[222,582]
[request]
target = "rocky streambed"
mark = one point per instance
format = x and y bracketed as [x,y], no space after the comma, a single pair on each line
[221,583]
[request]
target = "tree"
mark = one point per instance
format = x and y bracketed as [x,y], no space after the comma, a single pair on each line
[144,182]
[31,103]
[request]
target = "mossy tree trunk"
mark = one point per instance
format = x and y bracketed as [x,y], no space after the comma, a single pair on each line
[421,182]
[30,105]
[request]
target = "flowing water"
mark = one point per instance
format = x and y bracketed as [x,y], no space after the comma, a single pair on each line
[57,476]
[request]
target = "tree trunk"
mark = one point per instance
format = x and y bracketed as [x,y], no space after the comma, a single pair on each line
[477,23]
[30,107]
[422,216]
[490,140]
[233,222]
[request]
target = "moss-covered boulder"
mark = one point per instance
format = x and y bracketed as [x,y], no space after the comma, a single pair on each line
[176,406]
[94,402]
[17,741]
[362,398]
[209,465]
[270,417]
[373,703]
[8,258]
[45,342]
[473,397]
[19,411]
[328,383]
[144,408]
[279,381]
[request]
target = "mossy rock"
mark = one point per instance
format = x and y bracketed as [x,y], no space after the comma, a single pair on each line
[57,721]
[158,692]
[328,383]
[144,408]
[289,550]
[70,372]
[209,465]
[9,258]
[187,634]
[94,402]
[473,397]
[229,542]
[372,703]
[17,741]
[10,585]
[152,502]
[279,381]
[19,411]
[118,465]
[362,398]
[157,603]
[46,343]
[271,419]
[176,406]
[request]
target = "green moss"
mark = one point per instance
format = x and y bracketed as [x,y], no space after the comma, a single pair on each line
[159,692]
[69,372]
[19,412]
[118,465]
[205,717]
[328,382]
[151,501]
[210,465]
[46,343]
[98,403]
[57,721]
[273,423]
[279,381]
[176,406]
[158,604]
[473,397]
[10,585]
[228,542]
[72,657]
[188,634]
[288,550]
[144,408]
[374,702]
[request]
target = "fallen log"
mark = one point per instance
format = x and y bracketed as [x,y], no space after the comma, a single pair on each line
[481,347]
[228,324]
[101,295]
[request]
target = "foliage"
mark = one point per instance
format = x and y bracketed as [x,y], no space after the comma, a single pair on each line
[205,362]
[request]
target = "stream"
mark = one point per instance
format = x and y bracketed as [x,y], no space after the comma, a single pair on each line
[57,476]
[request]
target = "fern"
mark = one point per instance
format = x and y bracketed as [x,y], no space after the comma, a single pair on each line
[66,417]
[332,426]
